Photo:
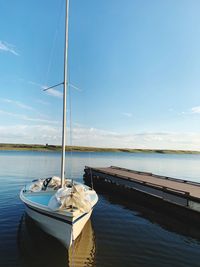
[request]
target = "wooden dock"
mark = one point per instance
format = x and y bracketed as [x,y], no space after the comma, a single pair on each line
[148,187]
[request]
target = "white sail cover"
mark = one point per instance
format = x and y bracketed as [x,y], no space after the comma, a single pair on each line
[76,197]
[55,182]
[37,185]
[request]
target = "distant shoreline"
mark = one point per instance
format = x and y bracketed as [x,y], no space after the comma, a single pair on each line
[47,148]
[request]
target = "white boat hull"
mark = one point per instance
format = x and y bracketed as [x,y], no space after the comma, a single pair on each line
[65,224]
[63,230]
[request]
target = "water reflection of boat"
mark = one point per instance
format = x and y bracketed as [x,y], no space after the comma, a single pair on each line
[82,253]
[36,248]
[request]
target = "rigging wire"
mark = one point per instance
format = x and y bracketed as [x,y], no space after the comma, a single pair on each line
[75,87]
[54,43]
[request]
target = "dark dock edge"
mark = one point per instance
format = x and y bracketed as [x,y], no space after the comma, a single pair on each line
[162,199]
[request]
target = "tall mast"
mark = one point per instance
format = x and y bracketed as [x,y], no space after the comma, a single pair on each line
[65,95]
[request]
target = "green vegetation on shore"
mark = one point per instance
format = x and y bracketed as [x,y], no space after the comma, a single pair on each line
[20,147]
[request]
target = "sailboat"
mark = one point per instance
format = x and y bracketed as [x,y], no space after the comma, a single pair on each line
[60,206]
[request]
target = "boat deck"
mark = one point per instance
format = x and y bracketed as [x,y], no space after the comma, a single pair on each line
[42,199]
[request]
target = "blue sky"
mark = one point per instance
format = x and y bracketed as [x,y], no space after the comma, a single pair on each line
[134,66]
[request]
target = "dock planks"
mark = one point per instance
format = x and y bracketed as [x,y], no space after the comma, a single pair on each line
[178,185]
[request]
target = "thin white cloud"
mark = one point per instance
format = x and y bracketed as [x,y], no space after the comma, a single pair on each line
[195,110]
[7,113]
[17,103]
[37,84]
[55,93]
[127,114]
[5,47]
[30,134]
[42,102]
[27,118]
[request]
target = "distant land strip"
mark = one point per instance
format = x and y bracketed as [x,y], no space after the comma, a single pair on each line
[47,147]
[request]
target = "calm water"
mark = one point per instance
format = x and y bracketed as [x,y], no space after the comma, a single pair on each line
[119,233]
